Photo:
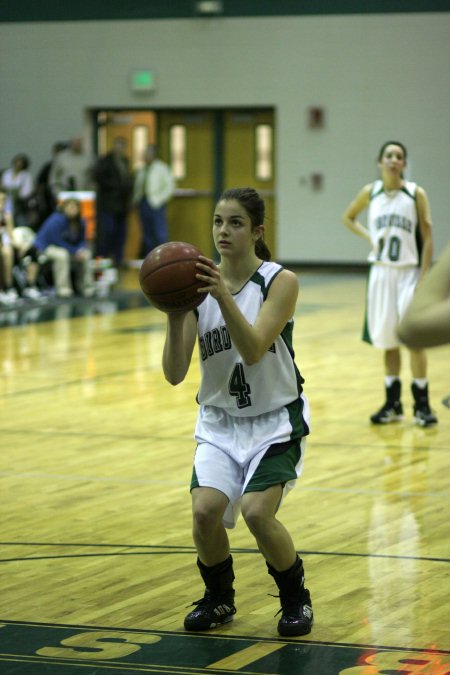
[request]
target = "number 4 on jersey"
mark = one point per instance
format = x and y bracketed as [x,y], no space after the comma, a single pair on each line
[239,388]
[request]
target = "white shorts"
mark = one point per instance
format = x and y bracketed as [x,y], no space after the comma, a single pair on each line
[5,240]
[230,449]
[389,292]
[23,237]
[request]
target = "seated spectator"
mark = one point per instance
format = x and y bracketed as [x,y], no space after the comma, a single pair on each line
[8,294]
[19,185]
[26,268]
[19,266]
[61,239]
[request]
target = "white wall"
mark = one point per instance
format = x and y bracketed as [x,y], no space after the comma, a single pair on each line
[377,76]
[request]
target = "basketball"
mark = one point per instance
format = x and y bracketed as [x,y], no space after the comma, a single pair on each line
[167,277]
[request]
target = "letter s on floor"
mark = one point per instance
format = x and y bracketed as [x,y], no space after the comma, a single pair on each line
[97,645]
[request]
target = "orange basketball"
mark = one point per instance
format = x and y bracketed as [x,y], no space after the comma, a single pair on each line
[167,277]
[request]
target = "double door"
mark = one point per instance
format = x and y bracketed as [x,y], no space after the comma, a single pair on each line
[209,151]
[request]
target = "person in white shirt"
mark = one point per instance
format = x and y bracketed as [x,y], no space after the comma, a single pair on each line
[8,294]
[71,169]
[153,187]
[19,185]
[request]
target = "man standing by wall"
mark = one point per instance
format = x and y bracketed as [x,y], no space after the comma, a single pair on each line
[154,186]
[71,169]
[114,186]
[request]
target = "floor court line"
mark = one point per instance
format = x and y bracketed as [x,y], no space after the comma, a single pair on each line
[183,550]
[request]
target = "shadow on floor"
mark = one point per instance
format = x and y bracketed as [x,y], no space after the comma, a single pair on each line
[26,312]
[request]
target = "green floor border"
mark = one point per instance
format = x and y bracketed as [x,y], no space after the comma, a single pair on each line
[30,648]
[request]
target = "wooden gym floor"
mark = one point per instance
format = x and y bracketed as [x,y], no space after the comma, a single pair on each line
[97,561]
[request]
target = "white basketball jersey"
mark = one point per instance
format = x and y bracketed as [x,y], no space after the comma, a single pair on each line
[393,226]
[228,383]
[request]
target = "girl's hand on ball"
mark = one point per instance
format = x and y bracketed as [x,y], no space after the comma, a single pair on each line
[209,273]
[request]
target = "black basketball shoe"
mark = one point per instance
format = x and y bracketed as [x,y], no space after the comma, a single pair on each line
[389,412]
[392,409]
[211,612]
[423,416]
[296,608]
[296,617]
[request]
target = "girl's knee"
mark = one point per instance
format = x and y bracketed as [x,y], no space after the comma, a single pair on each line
[206,518]
[57,253]
[255,519]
